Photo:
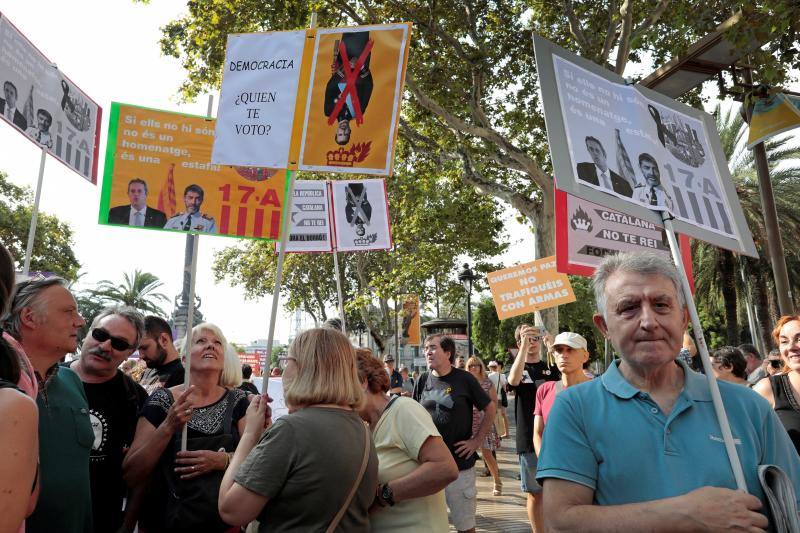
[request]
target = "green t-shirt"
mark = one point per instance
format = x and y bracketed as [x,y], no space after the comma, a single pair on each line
[65,440]
[399,434]
[306,464]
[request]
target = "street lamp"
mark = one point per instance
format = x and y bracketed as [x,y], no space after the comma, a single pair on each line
[467,277]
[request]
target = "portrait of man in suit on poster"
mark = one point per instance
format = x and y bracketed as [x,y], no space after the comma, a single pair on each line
[598,173]
[137,213]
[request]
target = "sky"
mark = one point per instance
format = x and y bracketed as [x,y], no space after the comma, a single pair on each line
[109,48]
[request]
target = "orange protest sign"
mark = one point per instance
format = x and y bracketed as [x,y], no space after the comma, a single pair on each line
[411,321]
[159,175]
[353,103]
[529,287]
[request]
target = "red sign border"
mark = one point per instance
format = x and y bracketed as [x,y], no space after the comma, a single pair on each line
[562,244]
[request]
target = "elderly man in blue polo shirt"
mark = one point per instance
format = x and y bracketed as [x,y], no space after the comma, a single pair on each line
[640,448]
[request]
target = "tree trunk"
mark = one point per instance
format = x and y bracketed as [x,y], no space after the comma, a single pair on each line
[728,281]
[761,304]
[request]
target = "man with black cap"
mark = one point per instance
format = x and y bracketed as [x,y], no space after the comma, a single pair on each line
[395,379]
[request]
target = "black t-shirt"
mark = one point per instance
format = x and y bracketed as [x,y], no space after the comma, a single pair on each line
[249,387]
[449,399]
[534,375]
[165,376]
[113,412]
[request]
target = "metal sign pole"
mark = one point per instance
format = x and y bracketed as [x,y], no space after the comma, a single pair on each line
[34,216]
[719,408]
[193,242]
[336,264]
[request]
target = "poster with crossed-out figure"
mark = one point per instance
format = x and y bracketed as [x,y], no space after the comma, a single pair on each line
[361,215]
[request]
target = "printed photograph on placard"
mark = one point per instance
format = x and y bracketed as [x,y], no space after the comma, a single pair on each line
[361,215]
[354,99]
[625,144]
[43,104]
[158,175]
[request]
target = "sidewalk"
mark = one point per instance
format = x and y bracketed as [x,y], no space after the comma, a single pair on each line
[506,513]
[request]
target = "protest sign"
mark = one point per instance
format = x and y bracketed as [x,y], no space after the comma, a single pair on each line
[275,391]
[410,326]
[586,232]
[529,287]
[161,160]
[310,226]
[353,102]
[361,215]
[45,106]
[636,151]
[258,99]
[772,116]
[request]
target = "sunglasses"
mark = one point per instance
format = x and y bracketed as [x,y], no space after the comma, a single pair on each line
[775,363]
[118,343]
[474,366]
[535,338]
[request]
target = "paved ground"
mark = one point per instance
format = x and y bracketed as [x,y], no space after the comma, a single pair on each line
[504,513]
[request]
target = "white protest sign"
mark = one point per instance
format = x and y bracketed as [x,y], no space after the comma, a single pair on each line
[636,151]
[45,106]
[361,215]
[310,227]
[257,104]
[275,391]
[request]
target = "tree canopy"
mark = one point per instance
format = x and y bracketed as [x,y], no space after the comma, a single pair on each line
[472,78]
[52,247]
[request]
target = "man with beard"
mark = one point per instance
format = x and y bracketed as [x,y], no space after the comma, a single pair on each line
[114,404]
[156,349]
[44,319]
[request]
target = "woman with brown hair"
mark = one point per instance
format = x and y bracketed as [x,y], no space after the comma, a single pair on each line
[492,441]
[782,390]
[414,464]
[314,469]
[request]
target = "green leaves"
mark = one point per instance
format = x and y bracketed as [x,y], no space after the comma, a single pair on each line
[52,247]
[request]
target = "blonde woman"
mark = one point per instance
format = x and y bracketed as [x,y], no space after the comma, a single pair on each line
[492,440]
[182,496]
[314,469]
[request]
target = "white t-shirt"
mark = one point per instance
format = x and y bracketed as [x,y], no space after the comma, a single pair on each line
[399,435]
[494,376]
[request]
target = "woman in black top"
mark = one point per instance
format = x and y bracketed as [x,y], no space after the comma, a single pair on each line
[185,485]
[783,389]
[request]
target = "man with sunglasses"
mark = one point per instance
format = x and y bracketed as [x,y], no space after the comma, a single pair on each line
[114,403]
[528,372]
[44,319]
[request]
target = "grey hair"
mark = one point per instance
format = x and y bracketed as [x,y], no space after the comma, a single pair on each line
[26,295]
[644,263]
[134,317]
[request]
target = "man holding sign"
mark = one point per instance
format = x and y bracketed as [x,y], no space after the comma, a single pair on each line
[648,405]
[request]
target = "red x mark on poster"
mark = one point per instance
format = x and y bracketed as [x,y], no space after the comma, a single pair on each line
[351,76]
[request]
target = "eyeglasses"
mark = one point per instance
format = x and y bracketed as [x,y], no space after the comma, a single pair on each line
[283,362]
[474,366]
[118,343]
[775,363]
[535,338]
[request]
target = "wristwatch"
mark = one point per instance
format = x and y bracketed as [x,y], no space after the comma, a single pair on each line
[387,494]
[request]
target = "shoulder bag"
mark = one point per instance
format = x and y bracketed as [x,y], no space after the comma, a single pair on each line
[356,484]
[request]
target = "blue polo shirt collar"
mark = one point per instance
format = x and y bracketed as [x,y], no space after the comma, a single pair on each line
[695,385]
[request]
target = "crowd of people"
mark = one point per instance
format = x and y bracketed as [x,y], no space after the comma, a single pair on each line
[187,442]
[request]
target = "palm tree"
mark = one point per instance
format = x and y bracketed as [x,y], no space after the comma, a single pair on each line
[718,279]
[137,290]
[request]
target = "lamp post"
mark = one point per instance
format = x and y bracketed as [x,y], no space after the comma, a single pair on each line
[467,277]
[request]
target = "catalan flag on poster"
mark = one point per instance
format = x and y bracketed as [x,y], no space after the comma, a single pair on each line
[159,175]
[772,116]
